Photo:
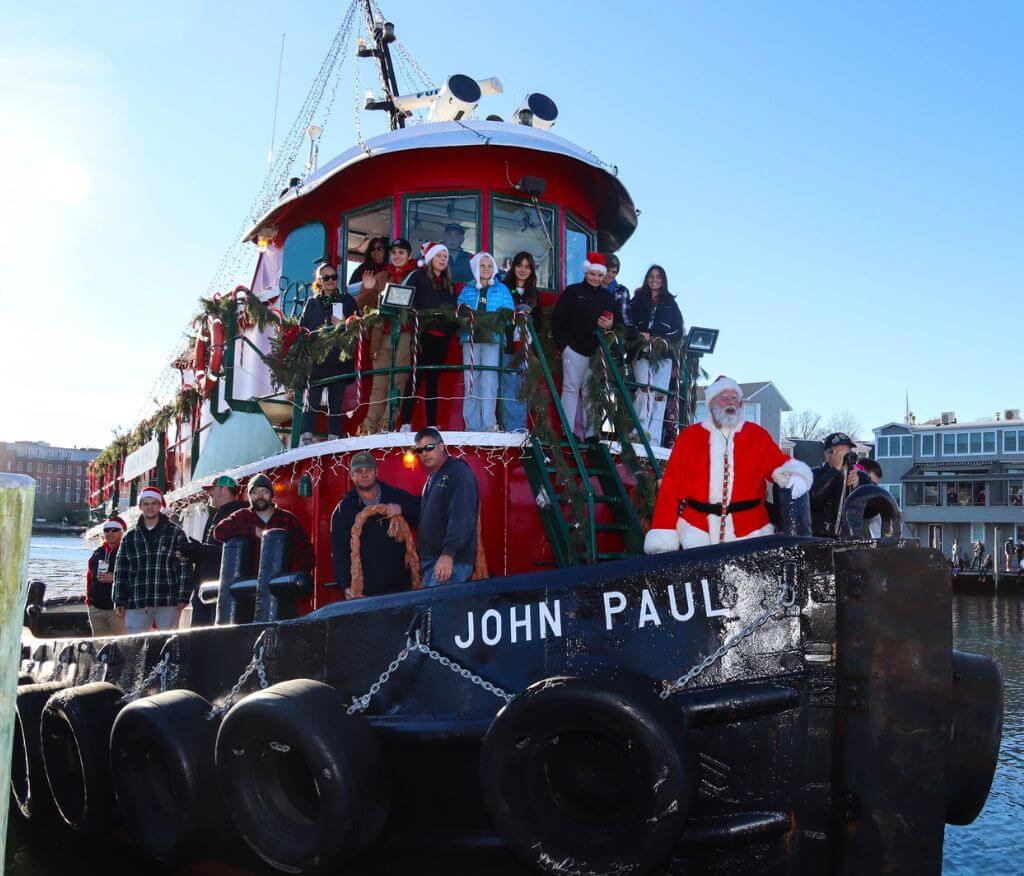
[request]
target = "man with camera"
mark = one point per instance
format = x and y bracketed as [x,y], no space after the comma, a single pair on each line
[833,482]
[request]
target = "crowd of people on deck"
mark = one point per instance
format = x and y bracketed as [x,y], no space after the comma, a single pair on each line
[445,275]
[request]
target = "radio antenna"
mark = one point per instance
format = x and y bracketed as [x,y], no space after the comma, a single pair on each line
[277,99]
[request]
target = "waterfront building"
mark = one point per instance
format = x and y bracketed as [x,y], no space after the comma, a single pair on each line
[60,473]
[957,480]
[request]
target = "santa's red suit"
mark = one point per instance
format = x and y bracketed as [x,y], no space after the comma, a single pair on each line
[710,465]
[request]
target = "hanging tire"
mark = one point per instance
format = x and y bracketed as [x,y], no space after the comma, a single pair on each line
[303,782]
[75,738]
[588,777]
[29,788]
[161,761]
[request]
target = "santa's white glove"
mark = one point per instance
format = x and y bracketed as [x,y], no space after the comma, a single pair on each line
[782,479]
[797,485]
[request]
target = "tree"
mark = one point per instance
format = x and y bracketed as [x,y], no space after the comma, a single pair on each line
[804,424]
[846,422]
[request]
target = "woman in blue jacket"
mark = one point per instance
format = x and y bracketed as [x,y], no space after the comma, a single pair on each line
[486,294]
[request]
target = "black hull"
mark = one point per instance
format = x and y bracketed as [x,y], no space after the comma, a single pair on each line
[819,742]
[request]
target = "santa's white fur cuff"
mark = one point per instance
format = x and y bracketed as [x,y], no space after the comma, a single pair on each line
[661,541]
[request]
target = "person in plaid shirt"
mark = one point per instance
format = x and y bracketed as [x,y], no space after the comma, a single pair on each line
[263,514]
[151,585]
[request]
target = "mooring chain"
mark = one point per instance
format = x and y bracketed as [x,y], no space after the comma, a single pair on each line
[785,598]
[160,670]
[255,665]
[360,704]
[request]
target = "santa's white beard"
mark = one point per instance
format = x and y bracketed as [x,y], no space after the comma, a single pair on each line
[729,418]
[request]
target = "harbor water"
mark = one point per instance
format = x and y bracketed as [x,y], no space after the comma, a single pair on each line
[993,845]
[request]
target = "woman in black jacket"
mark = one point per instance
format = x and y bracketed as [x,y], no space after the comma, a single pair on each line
[374,259]
[521,280]
[434,288]
[324,309]
[655,315]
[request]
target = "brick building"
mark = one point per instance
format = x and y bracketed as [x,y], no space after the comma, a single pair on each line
[60,473]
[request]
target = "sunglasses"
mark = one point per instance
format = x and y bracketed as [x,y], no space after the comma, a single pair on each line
[377,247]
[426,448]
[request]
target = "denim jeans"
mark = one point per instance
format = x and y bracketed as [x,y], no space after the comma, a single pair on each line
[460,572]
[479,407]
[513,408]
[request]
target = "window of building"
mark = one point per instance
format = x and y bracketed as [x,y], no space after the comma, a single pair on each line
[928,445]
[301,249]
[579,240]
[977,532]
[357,229]
[49,468]
[889,446]
[1015,494]
[427,217]
[896,490]
[518,226]
[969,443]
[1013,441]
[930,494]
[58,484]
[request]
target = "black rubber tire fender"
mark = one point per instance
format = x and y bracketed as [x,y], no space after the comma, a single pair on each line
[303,781]
[74,734]
[29,789]
[588,776]
[161,761]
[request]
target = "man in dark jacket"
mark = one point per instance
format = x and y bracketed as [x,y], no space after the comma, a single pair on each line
[581,309]
[383,558]
[446,539]
[205,554]
[151,584]
[99,581]
[833,481]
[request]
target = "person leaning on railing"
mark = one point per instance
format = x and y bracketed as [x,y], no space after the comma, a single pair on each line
[486,294]
[399,266]
[324,309]
[654,314]
[434,289]
[521,281]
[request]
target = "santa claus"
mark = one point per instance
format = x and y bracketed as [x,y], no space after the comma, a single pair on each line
[715,483]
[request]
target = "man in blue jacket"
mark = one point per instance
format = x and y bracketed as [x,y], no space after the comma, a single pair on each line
[446,539]
[383,558]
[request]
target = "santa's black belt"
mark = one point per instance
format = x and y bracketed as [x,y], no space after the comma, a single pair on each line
[716,507]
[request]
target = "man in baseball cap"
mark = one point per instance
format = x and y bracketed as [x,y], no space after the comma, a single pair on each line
[833,481]
[377,550]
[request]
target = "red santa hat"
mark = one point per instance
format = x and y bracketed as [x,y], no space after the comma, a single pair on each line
[114,523]
[720,385]
[428,250]
[152,493]
[596,261]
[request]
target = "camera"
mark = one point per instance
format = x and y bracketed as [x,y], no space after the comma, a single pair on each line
[850,459]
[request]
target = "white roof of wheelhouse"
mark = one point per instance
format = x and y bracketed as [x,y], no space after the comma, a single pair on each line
[440,135]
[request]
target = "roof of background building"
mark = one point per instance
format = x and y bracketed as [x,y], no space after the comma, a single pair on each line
[749,390]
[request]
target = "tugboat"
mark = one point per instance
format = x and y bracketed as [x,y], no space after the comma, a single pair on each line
[781,704]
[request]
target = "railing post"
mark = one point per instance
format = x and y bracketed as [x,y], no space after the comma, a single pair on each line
[17,496]
[297,406]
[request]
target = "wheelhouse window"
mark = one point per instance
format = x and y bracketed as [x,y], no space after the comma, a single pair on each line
[357,229]
[301,249]
[454,220]
[518,226]
[579,240]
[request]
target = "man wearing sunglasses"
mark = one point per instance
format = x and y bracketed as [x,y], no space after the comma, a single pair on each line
[446,538]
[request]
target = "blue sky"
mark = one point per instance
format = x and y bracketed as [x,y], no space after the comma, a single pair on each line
[837,187]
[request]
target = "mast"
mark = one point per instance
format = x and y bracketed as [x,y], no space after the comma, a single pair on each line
[383,35]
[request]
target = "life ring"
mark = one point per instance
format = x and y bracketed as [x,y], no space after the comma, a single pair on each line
[75,737]
[29,787]
[269,748]
[596,773]
[866,502]
[209,355]
[399,530]
[161,759]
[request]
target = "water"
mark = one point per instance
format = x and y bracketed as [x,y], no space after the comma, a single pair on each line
[993,845]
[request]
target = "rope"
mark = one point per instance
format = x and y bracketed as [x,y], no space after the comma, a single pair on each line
[399,530]
[480,569]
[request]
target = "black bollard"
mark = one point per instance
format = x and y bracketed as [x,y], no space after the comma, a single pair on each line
[273,560]
[793,515]
[234,566]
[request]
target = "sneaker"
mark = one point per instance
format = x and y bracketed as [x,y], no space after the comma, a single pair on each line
[494,428]
[405,428]
[305,439]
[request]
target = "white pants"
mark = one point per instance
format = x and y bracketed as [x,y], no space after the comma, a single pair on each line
[141,620]
[575,374]
[650,406]
[479,407]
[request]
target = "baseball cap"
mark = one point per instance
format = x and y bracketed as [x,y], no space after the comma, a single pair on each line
[401,243]
[838,438]
[454,226]
[362,460]
[225,481]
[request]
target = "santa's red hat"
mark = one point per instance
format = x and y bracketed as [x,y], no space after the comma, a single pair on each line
[428,250]
[152,493]
[596,261]
[720,385]
[114,523]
